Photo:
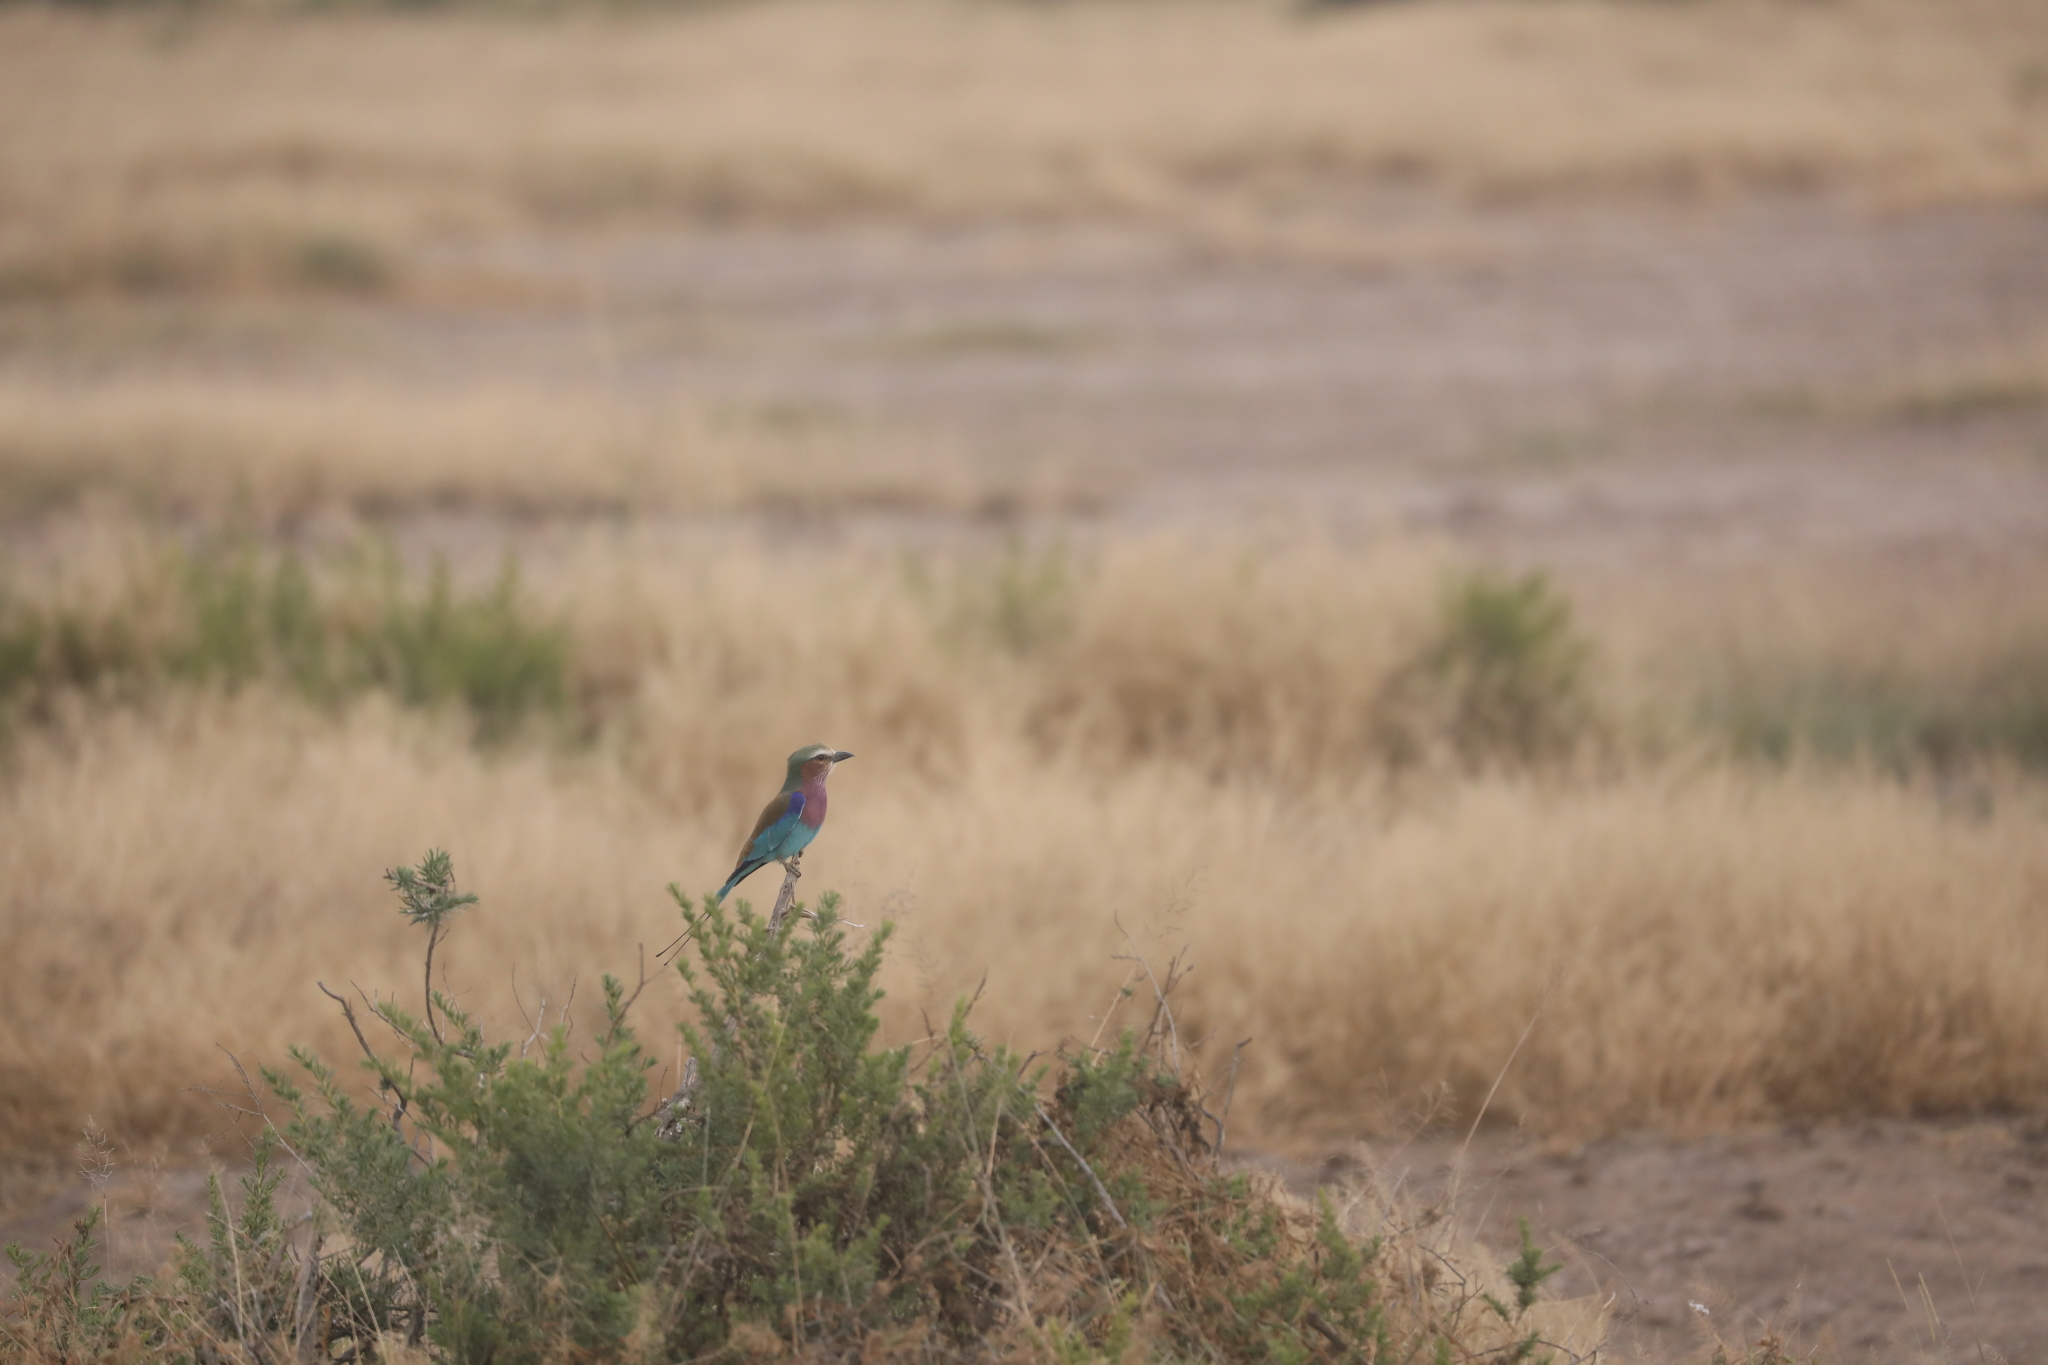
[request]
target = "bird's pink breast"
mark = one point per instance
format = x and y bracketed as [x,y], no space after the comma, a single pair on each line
[814,803]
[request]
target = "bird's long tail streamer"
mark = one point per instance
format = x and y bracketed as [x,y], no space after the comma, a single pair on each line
[666,953]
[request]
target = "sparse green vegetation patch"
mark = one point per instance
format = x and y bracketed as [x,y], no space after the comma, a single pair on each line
[227,613]
[166,264]
[1997,710]
[1491,671]
[1505,673]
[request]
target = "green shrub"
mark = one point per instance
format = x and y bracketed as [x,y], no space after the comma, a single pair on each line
[226,613]
[1016,602]
[1994,709]
[1511,664]
[481,650]
[345,265]
[812,1197]
[1501,681]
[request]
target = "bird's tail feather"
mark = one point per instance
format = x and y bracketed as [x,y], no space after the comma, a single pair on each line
[739,874]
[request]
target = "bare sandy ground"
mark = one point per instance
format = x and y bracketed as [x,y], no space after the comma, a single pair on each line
[1866,1241]
[1645,388]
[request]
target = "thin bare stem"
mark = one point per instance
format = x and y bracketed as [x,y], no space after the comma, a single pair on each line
[307,1302]
[1101,1190]
[1229,1093]
[1494,1089]
[348,1012]
[1159,992]
[612,1031]
[433,937]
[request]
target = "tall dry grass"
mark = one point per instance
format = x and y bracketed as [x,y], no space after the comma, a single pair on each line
[1684,939]
[285,451]
[225,149]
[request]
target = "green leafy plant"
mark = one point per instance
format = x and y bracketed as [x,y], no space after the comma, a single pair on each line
[1511,665]
[225,613]
[60,1301]
[1994,708]
[1016,602]
[809,1196]
[1526,1273]
[1500,681]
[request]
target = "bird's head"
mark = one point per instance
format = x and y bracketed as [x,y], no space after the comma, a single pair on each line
[814,760]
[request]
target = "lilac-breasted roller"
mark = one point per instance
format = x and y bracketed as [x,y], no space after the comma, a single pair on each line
[790,821]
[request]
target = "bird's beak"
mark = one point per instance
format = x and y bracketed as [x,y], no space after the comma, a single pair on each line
[841,756]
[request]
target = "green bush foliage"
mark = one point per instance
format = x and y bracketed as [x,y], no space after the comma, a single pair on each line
[814,1197]
[1017,602]
[226,613]
[1997,709]
[1500,682]
[1510,663]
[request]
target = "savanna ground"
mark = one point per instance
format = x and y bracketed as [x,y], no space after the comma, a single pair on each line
[1128,428]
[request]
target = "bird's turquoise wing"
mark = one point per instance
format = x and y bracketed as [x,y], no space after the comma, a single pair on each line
[772,830]
[778,833]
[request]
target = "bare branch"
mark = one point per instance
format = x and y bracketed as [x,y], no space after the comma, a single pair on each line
[1101,1191]
[375,1007]
[612,1028]
[1159,992]
[517,1003]
[540,1023]
[792,869]
[348,1012]
[641,986]
[1121,992]
[1229,1093]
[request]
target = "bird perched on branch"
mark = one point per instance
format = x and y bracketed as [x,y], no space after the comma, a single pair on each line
[790,821]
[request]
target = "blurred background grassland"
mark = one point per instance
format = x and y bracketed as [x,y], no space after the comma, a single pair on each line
[1761,842]
[1399,808]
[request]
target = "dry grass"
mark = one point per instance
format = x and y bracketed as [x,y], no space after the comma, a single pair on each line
[2005,381]
[1695,942]
[234,150]
[282,451]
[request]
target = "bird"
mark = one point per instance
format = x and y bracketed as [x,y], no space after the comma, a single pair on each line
[788,823]
[792,818]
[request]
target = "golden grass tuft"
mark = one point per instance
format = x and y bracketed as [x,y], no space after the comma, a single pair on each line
[1686,940]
